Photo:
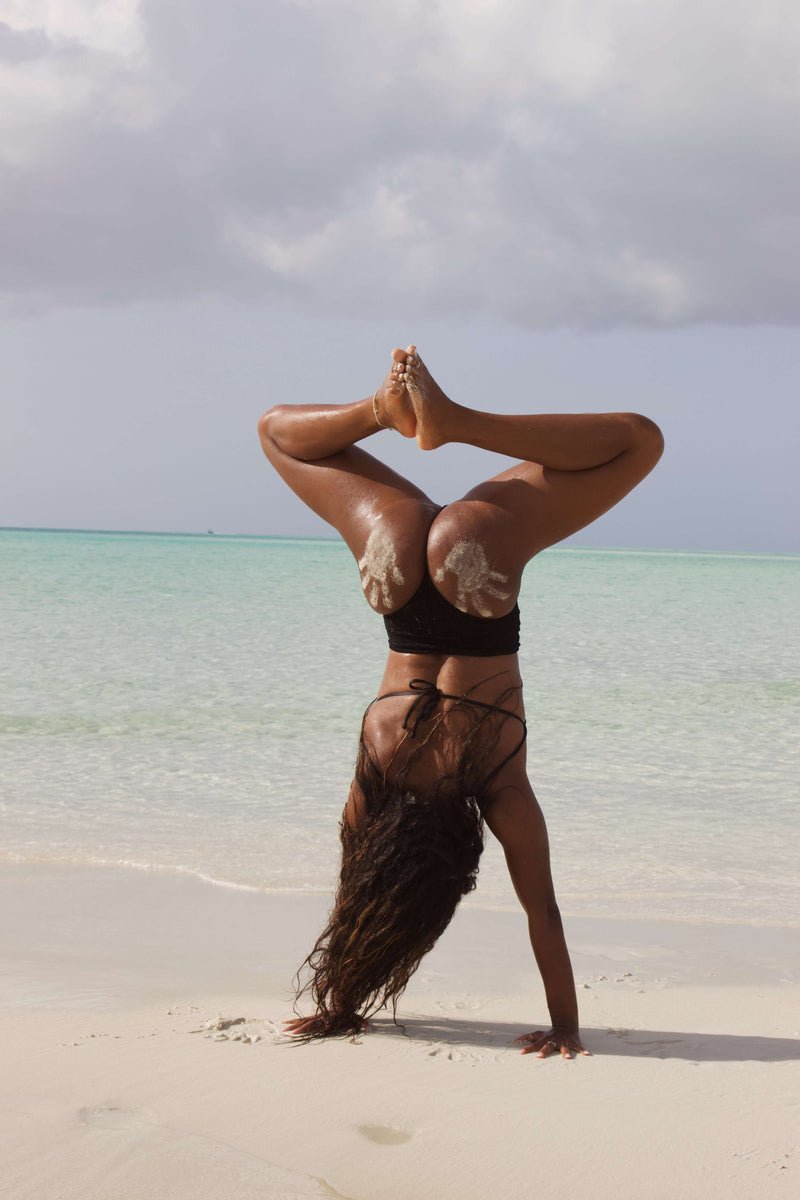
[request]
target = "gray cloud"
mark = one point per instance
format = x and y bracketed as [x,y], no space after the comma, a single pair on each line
[585,162]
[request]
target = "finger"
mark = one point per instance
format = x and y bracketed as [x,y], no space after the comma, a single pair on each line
[576,1048]
[300,1025]
[544,1047]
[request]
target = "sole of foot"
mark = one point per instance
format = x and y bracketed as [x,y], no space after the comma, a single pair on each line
[431,406]
[392,401]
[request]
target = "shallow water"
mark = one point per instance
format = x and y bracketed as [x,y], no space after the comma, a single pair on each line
[192,703]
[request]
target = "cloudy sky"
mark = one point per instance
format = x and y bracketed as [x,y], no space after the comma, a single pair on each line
[210,206]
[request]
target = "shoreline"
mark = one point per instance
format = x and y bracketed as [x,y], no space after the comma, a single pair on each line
[477,899]
[141,1054]
[125,936]
[111,936]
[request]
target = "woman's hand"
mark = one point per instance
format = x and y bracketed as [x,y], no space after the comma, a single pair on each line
[565,1042]
[303,1026]
[315,1026]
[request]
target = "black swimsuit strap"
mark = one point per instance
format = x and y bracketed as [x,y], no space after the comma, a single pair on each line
[426,700]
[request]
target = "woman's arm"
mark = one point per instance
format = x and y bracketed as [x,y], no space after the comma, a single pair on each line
[517,822]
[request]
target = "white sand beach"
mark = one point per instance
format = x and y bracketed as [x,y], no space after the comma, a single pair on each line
[142,1056]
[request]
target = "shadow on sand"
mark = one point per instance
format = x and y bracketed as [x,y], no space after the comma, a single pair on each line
[623,1043]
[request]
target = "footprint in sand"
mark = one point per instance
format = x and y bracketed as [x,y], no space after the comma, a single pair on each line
[110,1117]
[385,1135]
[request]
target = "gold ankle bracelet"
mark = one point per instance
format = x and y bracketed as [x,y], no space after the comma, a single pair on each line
[378,421]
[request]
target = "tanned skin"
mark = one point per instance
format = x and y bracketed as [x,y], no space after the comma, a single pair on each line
[573,468]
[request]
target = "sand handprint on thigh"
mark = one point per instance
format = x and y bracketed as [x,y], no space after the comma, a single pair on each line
[475,580]
[379,569]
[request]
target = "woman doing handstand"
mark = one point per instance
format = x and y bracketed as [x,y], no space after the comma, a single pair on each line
[442,748]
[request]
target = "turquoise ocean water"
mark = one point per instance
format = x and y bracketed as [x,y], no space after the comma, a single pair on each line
[192,703]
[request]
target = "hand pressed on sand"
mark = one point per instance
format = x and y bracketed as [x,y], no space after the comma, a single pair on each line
[546,1043]
[309,1026]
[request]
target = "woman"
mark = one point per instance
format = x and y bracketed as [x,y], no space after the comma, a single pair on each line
[442,747]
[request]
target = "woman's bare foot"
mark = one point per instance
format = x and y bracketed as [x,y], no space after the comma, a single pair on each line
[431,407]
[392,403]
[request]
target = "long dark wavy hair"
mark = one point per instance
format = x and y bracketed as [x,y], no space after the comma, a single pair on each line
[406,863]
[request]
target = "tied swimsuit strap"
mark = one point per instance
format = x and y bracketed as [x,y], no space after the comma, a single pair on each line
[427,697]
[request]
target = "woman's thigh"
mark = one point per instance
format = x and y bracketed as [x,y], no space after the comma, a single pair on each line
[479,546]
[383,518]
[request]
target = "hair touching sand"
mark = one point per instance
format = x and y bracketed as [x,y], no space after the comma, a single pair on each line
[405,866]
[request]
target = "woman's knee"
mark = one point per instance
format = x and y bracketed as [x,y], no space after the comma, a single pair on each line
[267,426]
[646,436]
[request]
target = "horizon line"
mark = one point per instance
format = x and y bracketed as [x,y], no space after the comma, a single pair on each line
[335,539]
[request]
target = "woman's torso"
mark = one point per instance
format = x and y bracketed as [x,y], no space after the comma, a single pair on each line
[452,598]
[439,728]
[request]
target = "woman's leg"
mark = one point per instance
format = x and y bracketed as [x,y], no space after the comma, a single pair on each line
[576,468]
[383,518]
